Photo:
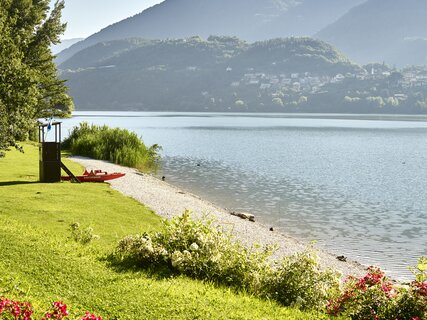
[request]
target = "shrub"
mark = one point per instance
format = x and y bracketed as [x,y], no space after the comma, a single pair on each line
[299,281]
[119,146]
[59,311]
[10,309]
[204,252]
[17,310]
[364,298]
[375,297]
[83,236]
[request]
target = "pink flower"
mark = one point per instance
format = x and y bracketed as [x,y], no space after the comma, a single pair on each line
[90,316]
[59,311]
[420,288]
[19,310]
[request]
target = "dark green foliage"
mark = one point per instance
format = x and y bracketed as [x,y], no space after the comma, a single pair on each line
[193,74]
[293,55]
[225,74]
[29,87]
[112,144]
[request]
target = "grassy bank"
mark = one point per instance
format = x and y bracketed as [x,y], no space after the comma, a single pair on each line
[40,262]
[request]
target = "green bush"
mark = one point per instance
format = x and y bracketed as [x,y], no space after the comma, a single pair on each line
[375,297]
[83,236]
[298,281]
[202,251]
[119,146]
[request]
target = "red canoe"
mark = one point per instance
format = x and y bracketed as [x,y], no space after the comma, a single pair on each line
[95,176]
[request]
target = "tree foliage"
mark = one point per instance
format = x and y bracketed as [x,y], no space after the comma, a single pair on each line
[29,85]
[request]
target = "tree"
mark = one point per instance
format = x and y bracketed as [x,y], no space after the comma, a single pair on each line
[239,103]
[277,101]
[29,84]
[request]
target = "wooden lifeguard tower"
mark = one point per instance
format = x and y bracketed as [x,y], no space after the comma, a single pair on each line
[50,163]
[50,153]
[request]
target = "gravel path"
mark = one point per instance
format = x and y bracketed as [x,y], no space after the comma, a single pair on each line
[169,201]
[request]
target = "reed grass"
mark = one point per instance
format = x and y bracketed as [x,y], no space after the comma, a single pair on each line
[116,145]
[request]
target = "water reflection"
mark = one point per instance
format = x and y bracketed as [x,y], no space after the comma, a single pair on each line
[371,233]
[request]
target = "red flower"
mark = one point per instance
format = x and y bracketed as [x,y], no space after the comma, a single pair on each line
[90,316]
[19,310]
[59,311]
[420,289]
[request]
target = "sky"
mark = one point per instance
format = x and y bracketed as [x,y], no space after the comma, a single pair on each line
[85,17]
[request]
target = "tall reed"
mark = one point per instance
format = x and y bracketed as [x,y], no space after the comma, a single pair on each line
[119,146]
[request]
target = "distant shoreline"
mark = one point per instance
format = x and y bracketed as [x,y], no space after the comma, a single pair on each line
[168,201]
[304,115]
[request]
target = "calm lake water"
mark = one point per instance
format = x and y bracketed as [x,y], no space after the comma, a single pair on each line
[356,184]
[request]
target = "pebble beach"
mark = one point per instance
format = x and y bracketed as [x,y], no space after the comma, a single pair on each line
[168,201]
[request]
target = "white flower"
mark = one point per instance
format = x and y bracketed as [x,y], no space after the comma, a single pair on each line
[194,247]
[176,259]
[149,248]
[163,252]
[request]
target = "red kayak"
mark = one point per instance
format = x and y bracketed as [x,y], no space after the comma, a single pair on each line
[95,176]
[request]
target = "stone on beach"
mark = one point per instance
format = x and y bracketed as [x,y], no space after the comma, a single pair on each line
[243,215]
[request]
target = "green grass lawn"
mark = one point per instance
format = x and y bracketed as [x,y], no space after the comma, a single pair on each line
[41,263]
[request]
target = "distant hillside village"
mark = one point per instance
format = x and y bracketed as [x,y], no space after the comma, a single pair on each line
[380,84]
[313,83]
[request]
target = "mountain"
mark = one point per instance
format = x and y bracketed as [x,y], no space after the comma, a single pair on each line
[410,51]
[101,52]
[217,74]
[379,30]
[66,43]
[250,20]
[306,19]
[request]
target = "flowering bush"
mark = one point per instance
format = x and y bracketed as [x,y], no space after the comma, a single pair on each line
[16,310]
[90,316]
[298,281]
[364,298]
[198,250]
[375,297]
[202,251]
[10,309]
[59,311]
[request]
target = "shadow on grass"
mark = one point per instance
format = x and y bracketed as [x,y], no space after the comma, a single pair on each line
[15,183]
[154,271]
[159,271]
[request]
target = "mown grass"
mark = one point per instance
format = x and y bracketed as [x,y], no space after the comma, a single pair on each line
[40,262]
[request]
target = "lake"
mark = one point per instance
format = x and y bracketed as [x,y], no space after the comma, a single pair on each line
[355,184]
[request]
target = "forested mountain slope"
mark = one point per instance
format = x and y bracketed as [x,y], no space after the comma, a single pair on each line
[251,20]
[218,74]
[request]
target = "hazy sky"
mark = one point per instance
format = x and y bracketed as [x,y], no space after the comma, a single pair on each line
[85,17]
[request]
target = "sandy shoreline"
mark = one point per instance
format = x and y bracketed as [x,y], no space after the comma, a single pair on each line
[168,201]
